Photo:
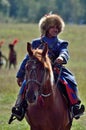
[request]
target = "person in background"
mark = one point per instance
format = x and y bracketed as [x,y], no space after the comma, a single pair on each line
[12,58]
[3,58]
[51,26]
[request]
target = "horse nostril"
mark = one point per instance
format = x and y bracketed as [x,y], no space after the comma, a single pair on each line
[34,97]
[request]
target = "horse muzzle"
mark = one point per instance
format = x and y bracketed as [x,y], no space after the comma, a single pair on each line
[31,97]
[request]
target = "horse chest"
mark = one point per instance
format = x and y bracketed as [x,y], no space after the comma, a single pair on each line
[40,116]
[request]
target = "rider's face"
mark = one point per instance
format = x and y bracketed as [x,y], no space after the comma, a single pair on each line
[53,31]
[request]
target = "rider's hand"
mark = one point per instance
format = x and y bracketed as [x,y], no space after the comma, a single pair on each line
[19,81]
[59,60]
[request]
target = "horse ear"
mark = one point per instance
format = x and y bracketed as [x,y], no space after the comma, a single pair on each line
[29,49]
[45,50]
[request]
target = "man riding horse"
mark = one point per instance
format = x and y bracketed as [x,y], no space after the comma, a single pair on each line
[51,26]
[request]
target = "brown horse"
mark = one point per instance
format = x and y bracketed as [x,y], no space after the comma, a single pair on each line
[47,108]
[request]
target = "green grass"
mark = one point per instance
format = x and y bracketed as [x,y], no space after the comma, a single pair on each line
[76,35]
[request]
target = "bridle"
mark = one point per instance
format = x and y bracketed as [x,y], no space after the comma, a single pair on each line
[34,80]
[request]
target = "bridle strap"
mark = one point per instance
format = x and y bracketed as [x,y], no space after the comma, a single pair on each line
[46,95]
[33,80]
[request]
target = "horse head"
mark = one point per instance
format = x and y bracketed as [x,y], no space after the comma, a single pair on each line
[39,74]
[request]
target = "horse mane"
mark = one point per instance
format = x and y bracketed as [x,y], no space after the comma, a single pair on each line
[45,60]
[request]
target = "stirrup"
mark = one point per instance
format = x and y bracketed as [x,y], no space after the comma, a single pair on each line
[15,116]
[18,113]
[80,112]
[12,118]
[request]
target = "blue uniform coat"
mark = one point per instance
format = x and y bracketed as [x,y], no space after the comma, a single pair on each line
[57,47]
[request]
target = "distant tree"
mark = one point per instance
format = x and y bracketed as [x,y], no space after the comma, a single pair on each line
[13,8]
[4,7]
[33,10]
[83,10]
[70,10]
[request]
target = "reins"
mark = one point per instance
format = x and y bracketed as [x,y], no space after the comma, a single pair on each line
[60,70]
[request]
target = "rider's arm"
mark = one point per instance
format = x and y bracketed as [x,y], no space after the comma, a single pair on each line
[21,71]
[64,54]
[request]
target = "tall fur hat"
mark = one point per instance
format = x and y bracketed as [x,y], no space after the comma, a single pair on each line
[50,20]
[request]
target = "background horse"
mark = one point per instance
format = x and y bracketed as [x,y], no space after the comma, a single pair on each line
[47,109]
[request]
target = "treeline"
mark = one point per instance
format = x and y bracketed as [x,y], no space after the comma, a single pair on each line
[72,11]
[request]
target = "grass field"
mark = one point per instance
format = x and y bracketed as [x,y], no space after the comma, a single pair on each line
[76,35]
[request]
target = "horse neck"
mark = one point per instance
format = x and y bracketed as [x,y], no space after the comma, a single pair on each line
[48,82]
[47,88]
